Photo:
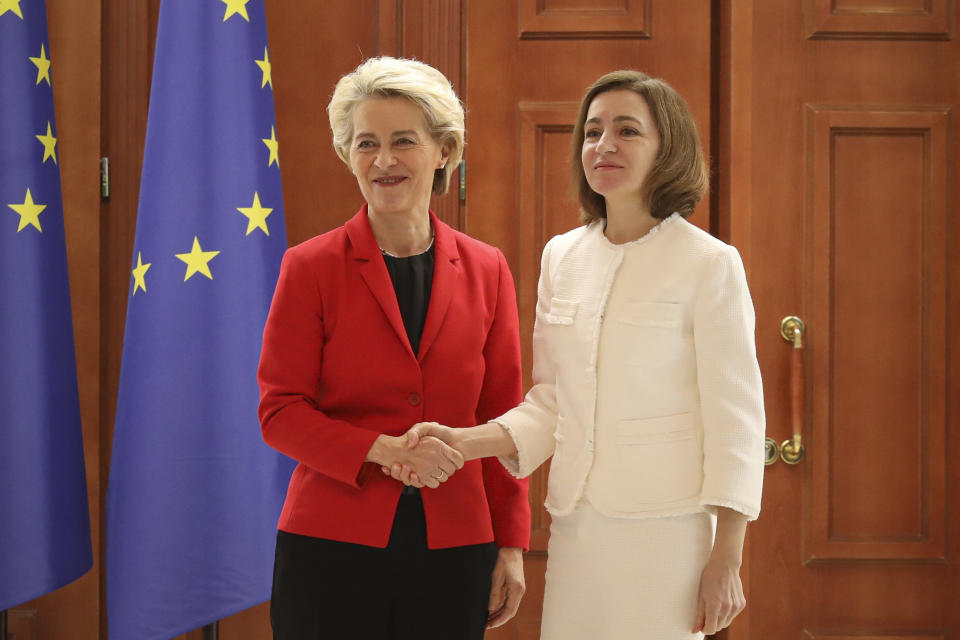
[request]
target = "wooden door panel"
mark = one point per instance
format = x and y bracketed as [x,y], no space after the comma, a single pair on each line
[879,19]
[879,311]
[549,208]
[580,19]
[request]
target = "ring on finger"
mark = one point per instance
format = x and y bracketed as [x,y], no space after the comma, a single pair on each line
[443,474]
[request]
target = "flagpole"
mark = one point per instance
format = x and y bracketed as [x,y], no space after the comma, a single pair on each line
[210,631]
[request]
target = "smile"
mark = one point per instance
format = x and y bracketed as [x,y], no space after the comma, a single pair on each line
[389,181]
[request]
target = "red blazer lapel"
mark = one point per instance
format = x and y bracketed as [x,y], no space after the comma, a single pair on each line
[374,272]
[446,271]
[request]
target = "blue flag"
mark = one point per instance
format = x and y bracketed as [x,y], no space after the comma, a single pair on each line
[44,517]
[194,493]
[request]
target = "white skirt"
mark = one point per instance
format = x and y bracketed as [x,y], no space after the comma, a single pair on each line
[619,579]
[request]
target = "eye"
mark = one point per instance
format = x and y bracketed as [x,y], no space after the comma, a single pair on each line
[591,133]
[629,131]
[405,142]
[364,144]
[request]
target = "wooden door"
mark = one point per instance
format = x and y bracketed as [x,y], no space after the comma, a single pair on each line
[842,178]
[527,65]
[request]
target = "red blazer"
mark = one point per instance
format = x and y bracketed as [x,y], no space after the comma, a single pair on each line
[337,370]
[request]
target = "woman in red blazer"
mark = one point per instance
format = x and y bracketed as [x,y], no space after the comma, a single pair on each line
[390,320]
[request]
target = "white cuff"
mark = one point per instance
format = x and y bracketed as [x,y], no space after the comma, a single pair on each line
[512,462]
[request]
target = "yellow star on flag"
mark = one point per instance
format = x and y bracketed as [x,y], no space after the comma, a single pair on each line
[29,212]
[266,67]
[43,65]
[139,282]
[11,5]
[236,6]
[274,145]
[49,145]
[197,260]
[256,214]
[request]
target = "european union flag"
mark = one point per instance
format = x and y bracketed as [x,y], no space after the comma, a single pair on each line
[44,517]
[194,493]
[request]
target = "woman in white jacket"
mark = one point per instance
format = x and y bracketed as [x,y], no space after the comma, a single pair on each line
[646,391]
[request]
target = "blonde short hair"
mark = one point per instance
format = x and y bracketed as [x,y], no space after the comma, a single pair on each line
[386,77]
[678,178]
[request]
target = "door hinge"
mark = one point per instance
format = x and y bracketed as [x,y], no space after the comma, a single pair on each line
[104,178]
[463,180]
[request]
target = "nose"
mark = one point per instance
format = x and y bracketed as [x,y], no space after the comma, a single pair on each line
[385,157]
[605,143]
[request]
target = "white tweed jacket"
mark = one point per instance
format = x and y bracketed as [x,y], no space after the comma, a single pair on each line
[682,398]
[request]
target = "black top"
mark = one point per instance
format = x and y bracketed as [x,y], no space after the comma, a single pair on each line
[412,277]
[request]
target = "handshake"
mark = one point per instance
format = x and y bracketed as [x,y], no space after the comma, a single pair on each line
[426,456]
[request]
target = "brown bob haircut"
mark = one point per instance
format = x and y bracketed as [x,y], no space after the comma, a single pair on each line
[678,178]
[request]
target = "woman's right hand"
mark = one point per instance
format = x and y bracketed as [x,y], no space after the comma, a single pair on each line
[428,463]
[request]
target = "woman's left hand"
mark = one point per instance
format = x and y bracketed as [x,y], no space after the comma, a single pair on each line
[507,586]
[721,595]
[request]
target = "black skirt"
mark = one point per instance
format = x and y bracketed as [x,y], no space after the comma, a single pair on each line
[324,589]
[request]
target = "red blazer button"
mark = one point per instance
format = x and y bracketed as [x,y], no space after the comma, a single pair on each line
[414,399]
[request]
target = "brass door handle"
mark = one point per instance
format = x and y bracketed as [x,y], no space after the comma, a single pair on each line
[792,329]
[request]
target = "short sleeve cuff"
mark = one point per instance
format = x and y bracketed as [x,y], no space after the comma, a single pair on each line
[711,505]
